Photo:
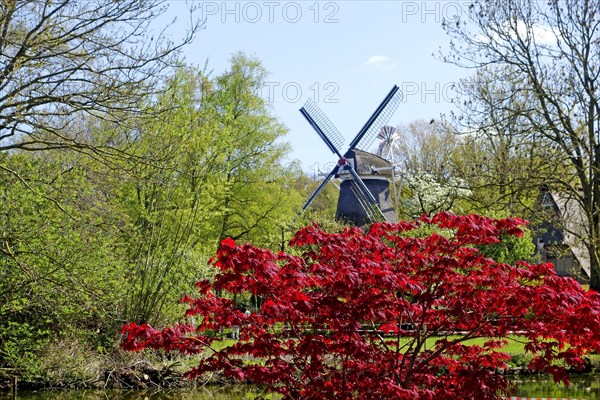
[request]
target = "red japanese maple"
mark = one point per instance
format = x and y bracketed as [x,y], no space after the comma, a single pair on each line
[347,315]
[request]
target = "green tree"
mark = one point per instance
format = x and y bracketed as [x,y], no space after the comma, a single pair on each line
[211,167]
[60,275]
[86,244]
[167,195]
[257,195]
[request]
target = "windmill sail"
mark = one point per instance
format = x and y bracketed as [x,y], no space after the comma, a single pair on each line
[324,127]
[371,206]
[379,118]
[321,186]
[387,142]
[373,212]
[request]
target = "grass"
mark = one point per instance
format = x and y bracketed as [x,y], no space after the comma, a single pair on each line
[515,347]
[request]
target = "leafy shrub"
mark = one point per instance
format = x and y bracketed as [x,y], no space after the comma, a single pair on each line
[351,315]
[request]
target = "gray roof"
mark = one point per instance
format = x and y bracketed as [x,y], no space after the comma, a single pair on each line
[365,162]
[574,227]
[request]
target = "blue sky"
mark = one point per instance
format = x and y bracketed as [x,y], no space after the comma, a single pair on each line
[345,55]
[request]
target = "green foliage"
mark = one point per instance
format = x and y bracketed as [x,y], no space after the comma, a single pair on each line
[21,344]
[511,249]
[87,243]
[211,168]
[59,262]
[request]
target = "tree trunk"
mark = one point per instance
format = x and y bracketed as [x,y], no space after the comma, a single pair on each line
[594,269]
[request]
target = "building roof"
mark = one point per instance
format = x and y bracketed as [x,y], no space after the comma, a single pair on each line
[371,164]
[574,226]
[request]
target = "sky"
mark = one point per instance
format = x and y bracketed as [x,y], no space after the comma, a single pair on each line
[345,55]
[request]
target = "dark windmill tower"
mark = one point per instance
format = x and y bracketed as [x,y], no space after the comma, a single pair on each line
[364,191]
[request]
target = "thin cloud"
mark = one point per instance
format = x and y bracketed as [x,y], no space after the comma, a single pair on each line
[542,35]
[377,59]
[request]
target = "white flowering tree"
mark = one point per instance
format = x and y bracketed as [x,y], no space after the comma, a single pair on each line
[426,194]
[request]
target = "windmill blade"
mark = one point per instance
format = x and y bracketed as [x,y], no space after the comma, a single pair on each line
[387,133]
[381,149]
[324,127]
[365,203]
[387,136]
[367,194]
[380,117]
[316,192]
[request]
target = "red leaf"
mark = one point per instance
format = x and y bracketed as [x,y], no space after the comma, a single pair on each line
[316,335]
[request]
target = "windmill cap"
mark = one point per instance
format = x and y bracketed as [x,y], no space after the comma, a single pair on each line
[366,163]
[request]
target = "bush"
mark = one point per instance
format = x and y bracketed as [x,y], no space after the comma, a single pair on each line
[350,317]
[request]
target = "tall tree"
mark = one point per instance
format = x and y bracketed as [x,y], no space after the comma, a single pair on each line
[257,193]
[66,57]
[551,50]
[504,159]
[426,153]
[210,168]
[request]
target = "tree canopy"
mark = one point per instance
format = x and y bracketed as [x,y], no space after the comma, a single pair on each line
[382,314]
[86,244]
[543,63]
[60,59]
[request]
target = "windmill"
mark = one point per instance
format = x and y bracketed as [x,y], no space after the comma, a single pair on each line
[387,143]
[364,190]
[387,148]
